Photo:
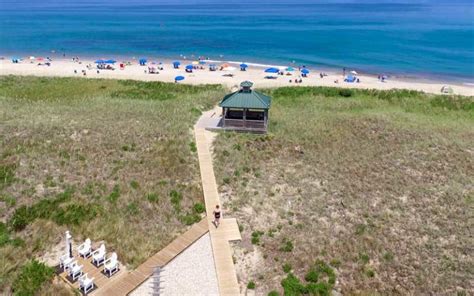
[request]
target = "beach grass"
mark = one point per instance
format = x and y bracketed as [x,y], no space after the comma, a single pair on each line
[376,184]
[107,159]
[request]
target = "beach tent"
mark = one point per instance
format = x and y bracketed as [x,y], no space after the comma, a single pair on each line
[189,68]
[350,79]
[178,78]
[176,64]
[272,70]
[142,61]
[212,67]
[243,67]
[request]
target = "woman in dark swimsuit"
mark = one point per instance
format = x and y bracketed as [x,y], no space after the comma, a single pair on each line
[217,215]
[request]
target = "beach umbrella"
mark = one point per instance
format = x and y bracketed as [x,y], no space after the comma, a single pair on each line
[201,62]
[290,69]
[229,69]
[179,78]
[176,63]
[272,70]
[143,61]
[225,65]
[189,67]
[195,63]
[305,71]
[354,73]
[244,66]
[110,61]
[99,61]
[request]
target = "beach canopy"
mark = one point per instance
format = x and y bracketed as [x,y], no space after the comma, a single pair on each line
[290,69]
[179,78]
[189,67]
[143,60]
[350,78]
[272,70]
[305,71]
[99,61]
[176,63]
[110,61]
[243,66]
[201,62]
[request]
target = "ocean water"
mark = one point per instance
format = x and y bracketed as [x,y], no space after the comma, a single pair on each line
[412,38]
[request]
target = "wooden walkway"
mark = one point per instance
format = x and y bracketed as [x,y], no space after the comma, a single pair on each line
[227,231]
[126,282]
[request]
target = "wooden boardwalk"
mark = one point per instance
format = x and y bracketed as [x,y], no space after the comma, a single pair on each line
[126,282]
[227,231]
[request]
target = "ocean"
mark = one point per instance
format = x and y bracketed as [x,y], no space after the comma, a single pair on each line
[426,39]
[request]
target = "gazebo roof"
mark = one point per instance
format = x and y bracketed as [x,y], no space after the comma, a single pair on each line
[246,98]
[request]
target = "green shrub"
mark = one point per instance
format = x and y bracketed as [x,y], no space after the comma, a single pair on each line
[193,147]
[175,198]
[134,184]
[273,293]
[256,237]
[320,289]
[73,214]
[152,197]
[251,285]
[287,267]
[8,200]
[132,208]
[345,92]
[4,234]
[388,256]
[21,218]
[312,276]
[364,258]
[292,285]
[287,246]
[370,272]
[199,208]
[115,194]
[31,277]
[7,174]
[190,219]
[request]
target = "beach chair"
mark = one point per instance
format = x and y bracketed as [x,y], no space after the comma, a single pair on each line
[65,261]
[98,256]
[75,270]
[111,265]
[86,284]
[85,248]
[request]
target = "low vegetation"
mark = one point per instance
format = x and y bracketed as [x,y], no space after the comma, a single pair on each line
[377,184]
[106,159]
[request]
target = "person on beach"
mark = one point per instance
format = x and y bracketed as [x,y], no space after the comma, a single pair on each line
[217,216]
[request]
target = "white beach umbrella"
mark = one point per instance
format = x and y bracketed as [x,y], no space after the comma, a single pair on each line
[354,72]
[229,69]
[32,57]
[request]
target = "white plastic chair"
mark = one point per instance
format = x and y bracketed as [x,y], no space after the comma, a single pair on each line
[85,249]
[98,256]
[75,270]
[86,284]
[65,261]
[111,265]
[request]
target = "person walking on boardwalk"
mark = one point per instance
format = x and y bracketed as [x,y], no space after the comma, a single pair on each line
[217,216]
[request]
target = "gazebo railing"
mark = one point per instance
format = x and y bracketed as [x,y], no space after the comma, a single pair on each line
[240,123]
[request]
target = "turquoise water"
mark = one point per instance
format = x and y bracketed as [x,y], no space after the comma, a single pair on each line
[424,39]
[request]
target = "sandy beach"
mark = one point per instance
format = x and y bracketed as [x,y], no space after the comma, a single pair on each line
[254,73]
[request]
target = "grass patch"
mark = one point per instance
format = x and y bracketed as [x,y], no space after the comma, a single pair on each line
[32,277]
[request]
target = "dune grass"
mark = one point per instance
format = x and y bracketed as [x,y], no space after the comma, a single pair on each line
[108,159]
[375,184]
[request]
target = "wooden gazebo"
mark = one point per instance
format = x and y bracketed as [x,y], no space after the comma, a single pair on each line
[245,110]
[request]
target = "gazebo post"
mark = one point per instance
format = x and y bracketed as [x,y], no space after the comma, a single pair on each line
[244,117]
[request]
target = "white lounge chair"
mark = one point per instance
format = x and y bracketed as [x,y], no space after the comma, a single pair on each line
[98,256]
[86,284]
[111,265]
[65,261]
[85,249]
[75,270]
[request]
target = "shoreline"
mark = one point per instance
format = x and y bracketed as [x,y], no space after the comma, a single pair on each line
[453,79]
[65,67]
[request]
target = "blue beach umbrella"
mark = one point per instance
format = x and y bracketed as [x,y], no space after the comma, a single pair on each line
[290,69]
[179,78]
[305,71]
[176,63]
[189,67]
[201,62]
[143,61]
[244,66]
[110,61]
[99,61]
[272,70]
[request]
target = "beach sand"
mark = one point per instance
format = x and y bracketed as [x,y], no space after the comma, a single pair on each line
[255,73]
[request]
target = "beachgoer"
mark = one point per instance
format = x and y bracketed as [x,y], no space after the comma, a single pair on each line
[343,71]
[217,216]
